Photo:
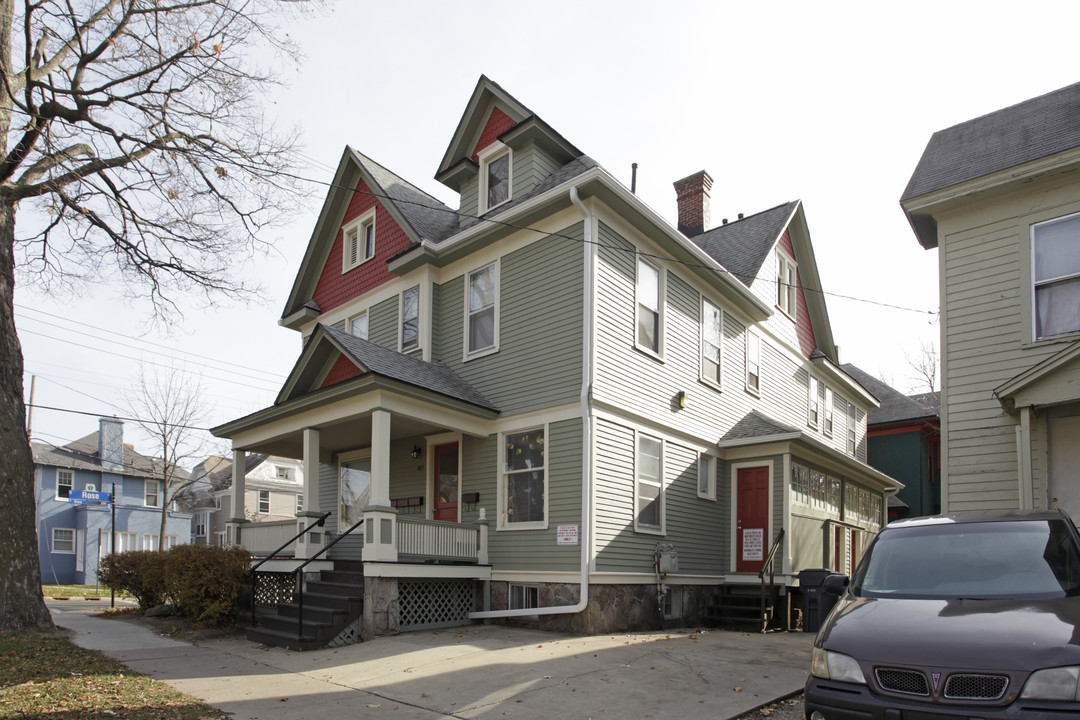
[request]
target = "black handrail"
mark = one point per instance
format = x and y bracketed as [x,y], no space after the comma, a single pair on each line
[300,583]
[255,578]
[770,564]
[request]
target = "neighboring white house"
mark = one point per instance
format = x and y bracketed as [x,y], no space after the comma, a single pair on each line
[999,196]
[273,492]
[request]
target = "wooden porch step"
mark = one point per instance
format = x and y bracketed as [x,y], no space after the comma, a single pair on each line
[330,603]
[279,638]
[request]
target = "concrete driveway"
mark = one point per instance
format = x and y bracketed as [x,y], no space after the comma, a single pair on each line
[482,671]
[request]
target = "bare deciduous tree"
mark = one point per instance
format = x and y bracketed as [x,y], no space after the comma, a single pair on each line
[925,368]
[172,410]
[132,138]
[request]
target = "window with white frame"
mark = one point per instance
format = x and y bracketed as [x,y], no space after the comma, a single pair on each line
[63,540]
[151,490]
[706,477]
[524,597]
[524,479]
[649,489]
[813,407]
[299,503]
[264,502]
[483,309]
[410,318]
[712,337]
[283,473]
[827,426]
[800,484]
[648,305]
[786,283]
[200,524]
[851,427]
[217,502]
[125,542]
[358,325]
[1055,271]
[65,480]
[753,363]
[358,241]
[151,541]
[495,173]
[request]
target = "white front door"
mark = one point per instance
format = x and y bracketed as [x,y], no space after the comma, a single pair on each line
[1064,485]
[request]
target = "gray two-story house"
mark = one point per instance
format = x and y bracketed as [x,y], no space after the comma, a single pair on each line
[548,402]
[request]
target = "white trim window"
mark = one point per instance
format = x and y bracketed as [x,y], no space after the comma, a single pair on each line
[649,484]
[150,541]
[299,503]
[482,302]
[706,488]
[358,325]
[358,241]
[813,402]
[125,542]
[827,426]
[63,541]
[201,521]
[1055,276]
[151,493]
[496,173]
[649,306]
[851,426]
[523,485]
[264,502]
[712,342]
[65,481]
[283,473]
[410,319]
[524,597]
[753,363]
[787,283]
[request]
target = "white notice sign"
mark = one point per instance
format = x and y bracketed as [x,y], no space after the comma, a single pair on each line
[753,544]
[567,535]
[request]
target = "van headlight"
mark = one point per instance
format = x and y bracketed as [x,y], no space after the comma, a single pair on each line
[829,665]
[1060,683]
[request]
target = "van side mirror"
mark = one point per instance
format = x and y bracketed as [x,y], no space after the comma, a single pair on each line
[835,585]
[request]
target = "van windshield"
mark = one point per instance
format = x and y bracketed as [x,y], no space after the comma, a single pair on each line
[1010,559]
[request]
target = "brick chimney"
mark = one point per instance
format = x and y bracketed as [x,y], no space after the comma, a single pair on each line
[693,198]
[111,443]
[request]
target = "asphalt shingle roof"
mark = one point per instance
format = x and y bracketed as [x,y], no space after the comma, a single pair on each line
[429,217]
[756,425]
[742,246]
[82,454]
[1030,130]
[405,368]
[895,406]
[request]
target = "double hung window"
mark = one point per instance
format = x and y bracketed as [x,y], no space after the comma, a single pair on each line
[712,335]
[650,487]
[264,502]
[63,540]
[851,427]
[813,403]
[648,305]
[410,319]
[524,478]
[786,283]
[1055,266]
[828,424]
[65,480]
[706,477]
[753,363]
[151,488]
[495,176]
[483,298]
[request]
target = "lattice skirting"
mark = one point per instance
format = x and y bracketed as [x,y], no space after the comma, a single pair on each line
[273,588]
[349,635]
[435,603]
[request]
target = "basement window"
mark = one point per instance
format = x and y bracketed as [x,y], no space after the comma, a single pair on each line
[524,597]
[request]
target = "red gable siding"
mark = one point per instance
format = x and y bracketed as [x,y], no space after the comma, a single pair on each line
[498,123]
[335,288]
[344,369]
[803,327]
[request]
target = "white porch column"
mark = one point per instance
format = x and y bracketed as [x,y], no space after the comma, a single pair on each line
[236,498]
[380,519]
[312,541]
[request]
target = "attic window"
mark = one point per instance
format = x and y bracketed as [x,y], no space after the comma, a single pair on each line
[786,283]
[359,241]
[495,171]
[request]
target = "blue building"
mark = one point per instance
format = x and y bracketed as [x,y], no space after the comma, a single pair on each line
[72,538]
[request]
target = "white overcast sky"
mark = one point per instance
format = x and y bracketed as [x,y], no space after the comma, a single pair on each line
[830,103]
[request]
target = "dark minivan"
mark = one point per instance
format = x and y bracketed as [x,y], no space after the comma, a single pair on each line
[969,615]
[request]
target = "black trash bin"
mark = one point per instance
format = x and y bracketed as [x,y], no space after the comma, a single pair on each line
[816,603]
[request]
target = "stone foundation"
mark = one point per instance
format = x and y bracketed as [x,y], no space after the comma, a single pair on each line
[382,609]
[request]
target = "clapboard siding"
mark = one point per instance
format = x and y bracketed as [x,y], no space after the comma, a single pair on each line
[541,298]
[383,323]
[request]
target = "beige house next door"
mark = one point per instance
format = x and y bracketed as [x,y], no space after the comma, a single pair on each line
[1064,482]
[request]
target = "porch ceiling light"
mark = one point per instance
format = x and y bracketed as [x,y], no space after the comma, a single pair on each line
[417,451]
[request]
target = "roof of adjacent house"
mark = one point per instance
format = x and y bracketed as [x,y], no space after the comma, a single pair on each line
[1027,131]
[82,454]
[895,406]
[742,246]
[389,363]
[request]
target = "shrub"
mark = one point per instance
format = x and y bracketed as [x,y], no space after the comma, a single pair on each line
[140,573]
[204,581]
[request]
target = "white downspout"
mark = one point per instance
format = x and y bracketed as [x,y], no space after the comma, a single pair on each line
[586,452]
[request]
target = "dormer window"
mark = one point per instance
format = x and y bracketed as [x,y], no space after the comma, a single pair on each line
[359,241]
[495,169]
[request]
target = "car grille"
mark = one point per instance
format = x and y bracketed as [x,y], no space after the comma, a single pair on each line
[909,682]
[975,687]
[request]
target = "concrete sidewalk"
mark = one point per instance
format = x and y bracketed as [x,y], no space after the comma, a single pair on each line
[483,671]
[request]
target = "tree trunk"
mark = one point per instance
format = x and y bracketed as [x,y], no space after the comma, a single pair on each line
[21,603]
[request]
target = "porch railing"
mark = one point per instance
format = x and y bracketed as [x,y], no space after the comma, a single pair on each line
[255,574]
[767,606]
[437,540]
[261,538]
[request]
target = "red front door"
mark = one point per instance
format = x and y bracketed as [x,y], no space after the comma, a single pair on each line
[446,482]
[752,519]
